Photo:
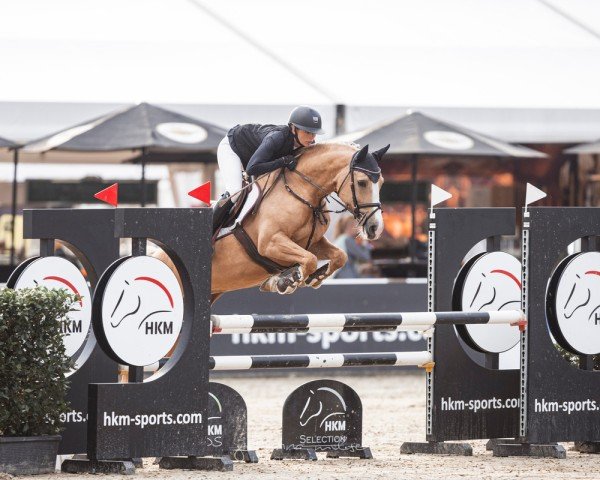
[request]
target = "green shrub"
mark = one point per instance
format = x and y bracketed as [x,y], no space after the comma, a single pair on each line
[33,364]
[573,358]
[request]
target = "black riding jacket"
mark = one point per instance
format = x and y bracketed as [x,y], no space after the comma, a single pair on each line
[261,148]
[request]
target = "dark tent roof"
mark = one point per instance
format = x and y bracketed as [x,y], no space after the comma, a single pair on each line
[4,143]
[417,133]
[142,126]
[593,147]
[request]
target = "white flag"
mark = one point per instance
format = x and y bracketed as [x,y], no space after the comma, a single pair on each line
[438,195]
[533,194]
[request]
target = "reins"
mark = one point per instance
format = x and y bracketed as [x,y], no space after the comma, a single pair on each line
[319,210]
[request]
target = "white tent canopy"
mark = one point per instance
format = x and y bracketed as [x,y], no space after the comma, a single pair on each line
[521,70]
[129,51]
[436,53]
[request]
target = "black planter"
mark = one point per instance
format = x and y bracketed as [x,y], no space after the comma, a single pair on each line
[28,455]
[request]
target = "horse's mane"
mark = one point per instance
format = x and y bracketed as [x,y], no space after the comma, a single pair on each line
[318,148]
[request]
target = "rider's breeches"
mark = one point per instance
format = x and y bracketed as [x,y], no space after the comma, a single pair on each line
[230,165]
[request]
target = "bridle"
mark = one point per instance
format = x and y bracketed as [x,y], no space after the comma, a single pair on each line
[361,218]
[319,209]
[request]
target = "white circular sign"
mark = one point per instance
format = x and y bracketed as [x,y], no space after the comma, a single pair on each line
[576,299]
[493,283]
[182,132]
[57,272]
[142,311]
[449,140]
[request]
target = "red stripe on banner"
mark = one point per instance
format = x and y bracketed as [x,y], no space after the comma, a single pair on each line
[504,272]
[68,284]
[160,285]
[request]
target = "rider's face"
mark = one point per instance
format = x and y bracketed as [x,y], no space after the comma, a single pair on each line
[306,138]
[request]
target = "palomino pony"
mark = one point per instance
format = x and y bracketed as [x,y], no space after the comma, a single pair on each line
[289,225]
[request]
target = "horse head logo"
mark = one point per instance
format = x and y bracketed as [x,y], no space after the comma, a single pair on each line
[497,289]
[581,300]
[138,299]
[574,303]
[322,404]
[56,281]
[215,407]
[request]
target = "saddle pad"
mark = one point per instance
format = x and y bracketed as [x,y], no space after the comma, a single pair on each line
[246,208]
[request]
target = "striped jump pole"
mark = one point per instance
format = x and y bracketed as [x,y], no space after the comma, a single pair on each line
[318,360]
[340,322]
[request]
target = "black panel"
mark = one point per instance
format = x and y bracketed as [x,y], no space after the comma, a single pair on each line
[323,415]
[457,377]
[552,383]
[83,191]
[167,414]
[227,421]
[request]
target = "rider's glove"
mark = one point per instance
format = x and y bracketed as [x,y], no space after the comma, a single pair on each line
[289,161]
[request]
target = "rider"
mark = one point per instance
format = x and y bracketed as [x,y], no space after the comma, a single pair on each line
[258,149]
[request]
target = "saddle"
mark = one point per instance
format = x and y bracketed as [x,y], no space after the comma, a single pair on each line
[227,214]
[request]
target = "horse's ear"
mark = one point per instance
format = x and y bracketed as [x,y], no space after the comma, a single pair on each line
[361,155]
[378,154]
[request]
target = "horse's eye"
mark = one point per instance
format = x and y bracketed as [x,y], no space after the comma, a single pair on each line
[362,183]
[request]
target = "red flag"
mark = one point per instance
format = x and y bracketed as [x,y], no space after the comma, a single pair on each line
[109,194]
[201,193]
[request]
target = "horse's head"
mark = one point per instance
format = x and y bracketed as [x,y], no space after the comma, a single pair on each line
[358,187]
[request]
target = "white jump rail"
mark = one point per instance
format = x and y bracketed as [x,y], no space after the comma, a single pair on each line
[332,360]
[340,322]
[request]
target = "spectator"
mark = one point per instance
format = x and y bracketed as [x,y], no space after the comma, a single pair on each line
[358,250]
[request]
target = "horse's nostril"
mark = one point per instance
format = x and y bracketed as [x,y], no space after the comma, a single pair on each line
[372,229]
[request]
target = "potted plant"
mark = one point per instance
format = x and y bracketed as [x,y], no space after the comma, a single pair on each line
[33,382]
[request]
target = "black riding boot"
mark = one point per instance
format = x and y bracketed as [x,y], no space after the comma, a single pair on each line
[221,210]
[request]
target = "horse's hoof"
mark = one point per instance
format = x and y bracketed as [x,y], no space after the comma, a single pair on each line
[267,286]
[316,282]
[289,280]
[316,278]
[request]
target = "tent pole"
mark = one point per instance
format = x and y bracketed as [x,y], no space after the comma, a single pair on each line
[13,210]
[143,182]
[413,211]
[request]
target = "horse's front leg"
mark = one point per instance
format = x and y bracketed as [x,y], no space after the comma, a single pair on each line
[282,249]
[325,250]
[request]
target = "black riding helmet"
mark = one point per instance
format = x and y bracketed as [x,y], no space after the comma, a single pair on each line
[307,119]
